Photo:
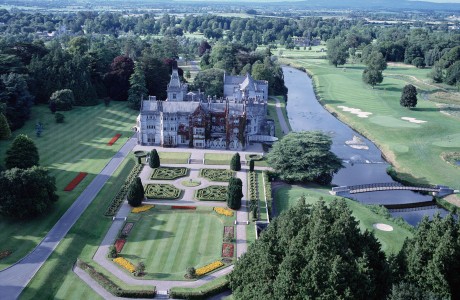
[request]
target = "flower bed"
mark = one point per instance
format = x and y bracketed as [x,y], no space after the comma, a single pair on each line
[227,250]
[168,173]
[121,195]
[142,208]
[183,207]
[5,253]
[119,243]
[114,139]
[223,211]
[209,268]
[217,174]
[75,181]
[228,230]
[125,264]
[212,193]
[162,191]
[127,228]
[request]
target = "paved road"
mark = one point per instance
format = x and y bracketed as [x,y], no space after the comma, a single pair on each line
[15,278]
[279,112]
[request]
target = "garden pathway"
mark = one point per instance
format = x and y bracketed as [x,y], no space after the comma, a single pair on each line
[16,277]
[283,121]
[163,285]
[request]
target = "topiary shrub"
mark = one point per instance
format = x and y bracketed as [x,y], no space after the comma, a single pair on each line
[235,163]
[136,193]
[235,193]
[140,269]
[190,273]
[154,159]
[59,118]
[251,165]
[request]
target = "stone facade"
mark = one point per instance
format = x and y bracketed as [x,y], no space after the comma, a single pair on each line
[187,119]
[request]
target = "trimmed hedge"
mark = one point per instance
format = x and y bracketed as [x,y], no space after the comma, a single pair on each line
[212,193]
[168,173]
[121,195]
[202,292]
[162,191]
[220,175]
[112,287]
[268,192]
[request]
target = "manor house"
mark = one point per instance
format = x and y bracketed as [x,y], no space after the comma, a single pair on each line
[189,119]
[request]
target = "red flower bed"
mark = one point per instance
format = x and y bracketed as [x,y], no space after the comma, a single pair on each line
[114,139]
[182,207]
[227,250]
[119,243]
[75,181]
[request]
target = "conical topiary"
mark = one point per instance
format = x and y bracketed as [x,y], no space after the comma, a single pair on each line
[136,193]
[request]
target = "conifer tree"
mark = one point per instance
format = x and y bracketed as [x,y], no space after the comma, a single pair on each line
[235,193]
[22,153]
[154,160]
[136,193]
[138,87]
[235,163]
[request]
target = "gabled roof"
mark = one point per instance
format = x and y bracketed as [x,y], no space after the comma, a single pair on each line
[248,83]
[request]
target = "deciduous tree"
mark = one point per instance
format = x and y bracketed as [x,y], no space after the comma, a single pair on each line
[409,96]
[22,153]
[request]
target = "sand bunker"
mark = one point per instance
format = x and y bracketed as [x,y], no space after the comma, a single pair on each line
[357,143]
[355,111]
[383,227]
[413,120]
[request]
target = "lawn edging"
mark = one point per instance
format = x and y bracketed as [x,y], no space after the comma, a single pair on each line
[209,289]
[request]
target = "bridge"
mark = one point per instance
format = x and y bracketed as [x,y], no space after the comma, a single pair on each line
[348,191]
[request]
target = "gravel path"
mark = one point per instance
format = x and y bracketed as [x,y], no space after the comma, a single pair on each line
[15,278]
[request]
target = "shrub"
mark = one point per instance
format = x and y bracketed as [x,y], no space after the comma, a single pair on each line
[112,252]
[62,99]
[212,193]
[120,196]
[190,272]
[59,118]
[140,268]
[154,160]
[251,165]
[235,163]
[235,193]
[136,193]
[168,173]
[201,293]
[162,191]
[217,174]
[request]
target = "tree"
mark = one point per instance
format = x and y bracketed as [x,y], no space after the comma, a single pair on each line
[154,159]
[204,46]
[235,163]
[453,74]
[337,51]
[409,96]
[117,79]
[303,156]
[62,99]
[26,193]
[22,153]
[319,248]
[136,193]
[251,165]
[210,81]
[137,89]
[376,61]
[5,132]
[14,93]
[432,257]
[372,77]
[234,193]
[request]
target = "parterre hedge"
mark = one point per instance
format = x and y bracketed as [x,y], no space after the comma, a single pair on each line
[112,287]
[268,192]
[221,175]
[117,201]
[212,193]
[168,173]
[162,191]
[203,292]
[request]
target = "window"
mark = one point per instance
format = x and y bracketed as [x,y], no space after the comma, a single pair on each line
[174,96]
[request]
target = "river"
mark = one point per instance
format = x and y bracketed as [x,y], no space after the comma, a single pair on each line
[361,166]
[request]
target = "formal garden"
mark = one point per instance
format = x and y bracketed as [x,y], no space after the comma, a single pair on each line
[168,173]
[220,175]
[212,193]
[168,240]
[162,191]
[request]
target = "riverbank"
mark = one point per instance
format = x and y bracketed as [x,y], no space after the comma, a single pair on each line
[414,149]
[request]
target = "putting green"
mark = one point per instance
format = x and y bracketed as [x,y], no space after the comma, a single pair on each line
[387,121]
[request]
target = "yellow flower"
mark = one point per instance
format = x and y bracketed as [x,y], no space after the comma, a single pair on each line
[223,211]
[142,208]
[209,268]
[125,264]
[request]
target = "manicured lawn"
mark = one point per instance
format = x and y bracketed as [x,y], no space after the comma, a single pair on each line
[414,149]
[55,280]
[174,157]
[262,203]
[78,145]
[271,114]
[392,241]
[168,241]
[217,158]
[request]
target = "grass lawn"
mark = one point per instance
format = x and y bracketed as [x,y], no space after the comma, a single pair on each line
[414,149]
[262,203]
[168,241]
[217,158]
[78,145]
[174,157]
[55,280]
[392,241]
